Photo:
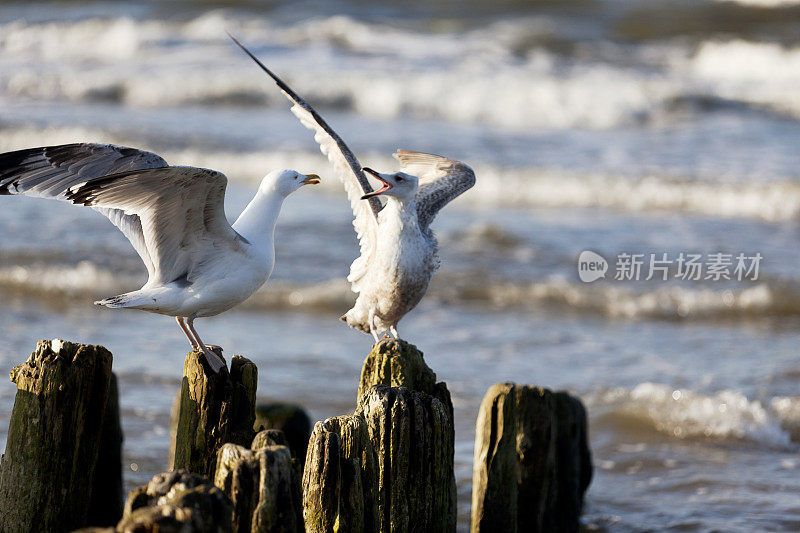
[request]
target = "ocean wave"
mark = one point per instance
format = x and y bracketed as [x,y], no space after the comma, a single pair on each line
[769,81]
[668,303]
[685,414]
[771,201]
[487,75]
[84,279]
[87,281]
[787,409]
[507,73]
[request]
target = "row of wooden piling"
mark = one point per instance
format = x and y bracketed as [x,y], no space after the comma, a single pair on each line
[388,466]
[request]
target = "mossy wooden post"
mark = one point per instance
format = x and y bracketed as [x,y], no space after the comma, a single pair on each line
[532,463]
[214,409]
[412,433]
[340,478]
[279,508]
[263,486]
[50,474]
[409,418]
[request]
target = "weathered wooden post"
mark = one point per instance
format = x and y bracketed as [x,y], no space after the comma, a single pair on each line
[409,418]
[263,486]
[62,459]
[214,409]
[388,467]
[412,433]
[532,463]
[340,478]
[177,501]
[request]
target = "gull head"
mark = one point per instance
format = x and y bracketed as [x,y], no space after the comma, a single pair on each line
[285,182]
[400,185]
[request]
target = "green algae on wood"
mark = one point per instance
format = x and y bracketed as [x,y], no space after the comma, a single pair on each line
[396,363]
[49,469]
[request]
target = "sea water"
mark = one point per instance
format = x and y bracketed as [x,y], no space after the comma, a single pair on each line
[640,127]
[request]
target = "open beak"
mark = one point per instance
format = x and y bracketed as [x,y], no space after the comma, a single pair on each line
[386,184]
[310,179]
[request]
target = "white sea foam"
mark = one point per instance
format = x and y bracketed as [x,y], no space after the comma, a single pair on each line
[687,414]
[485,75]
[763,74]
[84,279]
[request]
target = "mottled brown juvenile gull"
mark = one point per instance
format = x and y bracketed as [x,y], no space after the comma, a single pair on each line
[198,264]
[399,252]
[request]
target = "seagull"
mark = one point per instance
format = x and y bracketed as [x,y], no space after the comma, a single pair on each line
[399,251]
[198,264]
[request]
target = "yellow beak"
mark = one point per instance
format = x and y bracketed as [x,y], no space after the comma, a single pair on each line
[310,179]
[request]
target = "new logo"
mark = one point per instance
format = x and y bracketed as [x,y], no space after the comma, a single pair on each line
[591,266]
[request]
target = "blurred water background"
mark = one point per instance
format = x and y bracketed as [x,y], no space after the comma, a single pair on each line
[638,126]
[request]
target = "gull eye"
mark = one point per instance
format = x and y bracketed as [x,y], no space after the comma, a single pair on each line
[399,178]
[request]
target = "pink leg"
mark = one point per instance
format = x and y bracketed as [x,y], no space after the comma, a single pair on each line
[372,328]
[217,363]
[186,332]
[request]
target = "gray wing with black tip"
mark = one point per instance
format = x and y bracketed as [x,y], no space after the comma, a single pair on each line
[50,171]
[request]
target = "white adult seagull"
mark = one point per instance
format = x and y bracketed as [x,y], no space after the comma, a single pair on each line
[399,252]
[198,264]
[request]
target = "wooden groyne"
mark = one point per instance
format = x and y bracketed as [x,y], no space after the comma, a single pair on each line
[388,466]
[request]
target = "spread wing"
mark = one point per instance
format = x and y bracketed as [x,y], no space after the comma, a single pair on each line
[347,168]
[181,211]
[171,215]
[49,171]
[440,181]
